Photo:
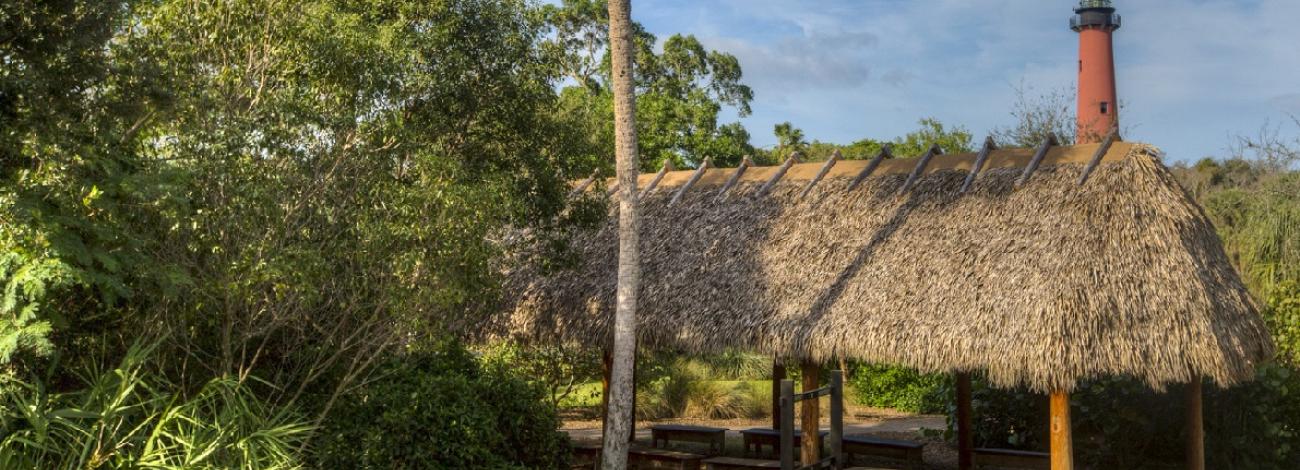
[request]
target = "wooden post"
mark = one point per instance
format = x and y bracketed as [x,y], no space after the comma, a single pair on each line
[787,424]
[606,366]
[811,450]
[1195,427]
[965,438]
[631,435]
[837,417]
[1062,447]
[778,374]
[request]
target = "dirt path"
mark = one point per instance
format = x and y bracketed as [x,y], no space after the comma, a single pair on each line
[882,423]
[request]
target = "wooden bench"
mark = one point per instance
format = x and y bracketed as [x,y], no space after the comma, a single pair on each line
[733,463]
[586,456]
[910,452]
[642,458]
[756,438]
[1007,458]
[716,438]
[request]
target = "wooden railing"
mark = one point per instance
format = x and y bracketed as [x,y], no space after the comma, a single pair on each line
[788,398]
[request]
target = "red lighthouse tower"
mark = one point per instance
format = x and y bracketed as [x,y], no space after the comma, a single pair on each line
[1098,112]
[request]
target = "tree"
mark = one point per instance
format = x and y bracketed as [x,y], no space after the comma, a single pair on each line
[78,200]
[789,139]
[1036,117]
[913,144]
[619,416]
[680,91]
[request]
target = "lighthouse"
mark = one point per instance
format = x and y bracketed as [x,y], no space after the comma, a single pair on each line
[1098,108]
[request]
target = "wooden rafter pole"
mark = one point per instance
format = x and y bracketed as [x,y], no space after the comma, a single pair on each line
[1195,427]
[965,438]
[1062,444]
[811,450]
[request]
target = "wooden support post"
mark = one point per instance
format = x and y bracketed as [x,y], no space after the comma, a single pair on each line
[778,375]
[811,450]
[1195,427]
[787,425]
[837,418]
[606,367]
[631,435]
[965,437]
[1062,446]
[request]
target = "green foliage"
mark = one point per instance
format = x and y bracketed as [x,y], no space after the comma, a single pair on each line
[1283,316]
[441,408]
[898,388]
[21,332]
[677,387]
[929,131]
[76,197]
[127,418]
[680,91]
[559,369]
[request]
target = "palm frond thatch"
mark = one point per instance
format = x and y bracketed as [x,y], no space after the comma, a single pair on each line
[1041,285]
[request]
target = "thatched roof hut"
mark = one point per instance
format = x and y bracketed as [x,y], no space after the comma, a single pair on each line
[1041,284]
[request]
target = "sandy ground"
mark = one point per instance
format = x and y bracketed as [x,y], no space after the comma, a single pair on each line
[883,423]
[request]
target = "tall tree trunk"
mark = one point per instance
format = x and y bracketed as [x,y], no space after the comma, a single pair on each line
[617,430]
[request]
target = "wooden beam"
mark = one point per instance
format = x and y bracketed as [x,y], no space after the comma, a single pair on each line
[745,163]
[606,367]
[965,436]
[1195,427]
[988,148]
[695,178]
[582,187]
[885,152]
[787,425]
[837,417]
[835,157]
[631,422]
[919,169]
[780,173]
[1062,446]
[1043,148]
[811,450]
[1096,157]
[654,183]
[778,374]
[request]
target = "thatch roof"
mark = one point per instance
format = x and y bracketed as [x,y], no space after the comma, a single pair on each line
[1042,285]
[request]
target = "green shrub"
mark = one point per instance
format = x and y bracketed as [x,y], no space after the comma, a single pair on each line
[440,408]
[126,418]
[898,388]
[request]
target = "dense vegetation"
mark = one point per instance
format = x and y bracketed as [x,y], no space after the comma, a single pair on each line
[280,196]
[236,234]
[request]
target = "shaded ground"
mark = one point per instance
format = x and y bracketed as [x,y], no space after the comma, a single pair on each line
[883,423]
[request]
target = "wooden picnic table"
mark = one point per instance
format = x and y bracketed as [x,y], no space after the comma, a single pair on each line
[756,438]
[643,458]
[908,451]
[716,438]
[1008,458]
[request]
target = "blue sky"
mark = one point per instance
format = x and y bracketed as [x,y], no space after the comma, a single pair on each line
[1192,73]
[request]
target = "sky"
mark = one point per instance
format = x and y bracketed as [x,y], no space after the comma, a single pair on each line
[1192,74]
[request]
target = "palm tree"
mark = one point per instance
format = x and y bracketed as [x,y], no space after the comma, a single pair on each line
[789,139]
[619,415]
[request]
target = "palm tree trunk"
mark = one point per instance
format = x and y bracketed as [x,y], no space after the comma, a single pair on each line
[617,429]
